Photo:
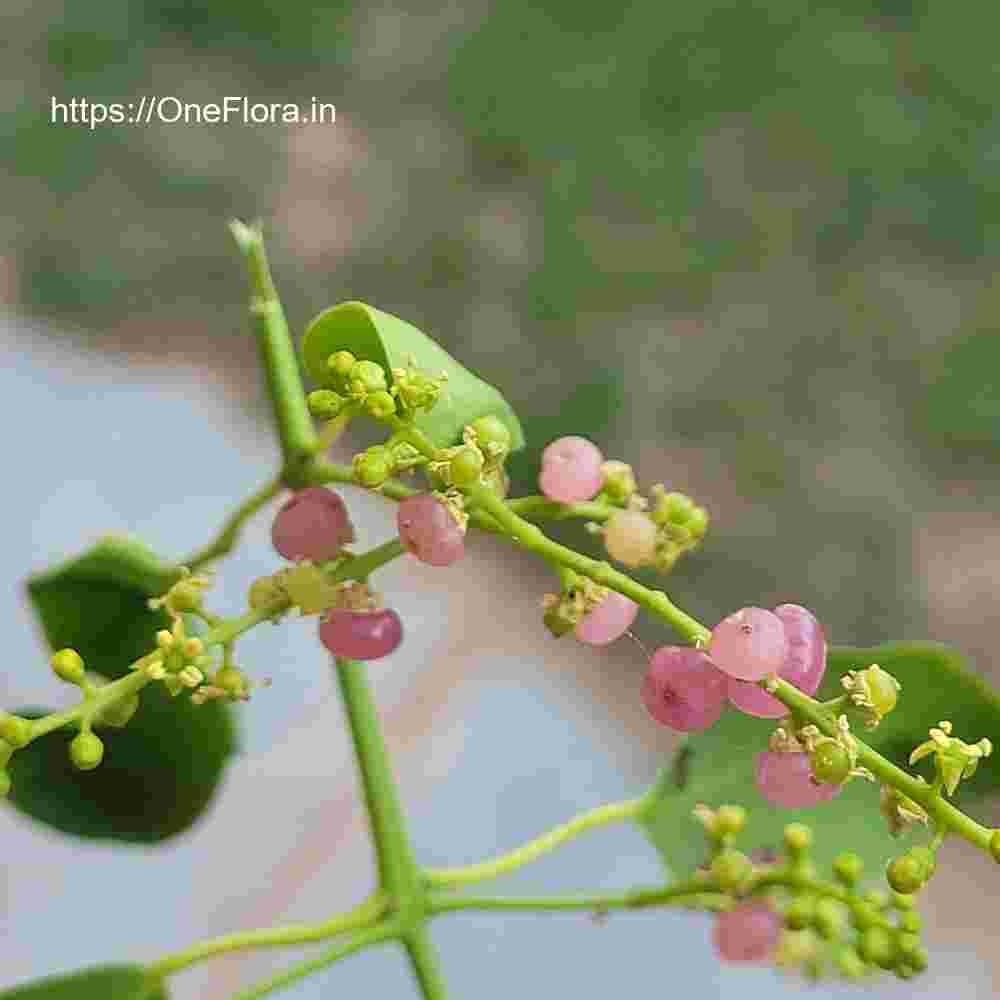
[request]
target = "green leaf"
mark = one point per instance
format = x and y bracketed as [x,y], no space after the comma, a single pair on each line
[104,982]
[373,335]
[719,762]
[161,770]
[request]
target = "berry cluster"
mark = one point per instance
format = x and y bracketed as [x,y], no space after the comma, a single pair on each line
[574,471]
[780,911]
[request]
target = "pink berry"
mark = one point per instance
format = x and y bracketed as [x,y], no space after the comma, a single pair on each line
[749,932]
[805,662]
[361,635]
[429,531]
[313,524]
[749,644]
[611,619]
[571,470]
[785,779]
[683,689]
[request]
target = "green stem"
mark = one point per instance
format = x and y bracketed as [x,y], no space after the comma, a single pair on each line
[690,890]
[360,567]
[226,539]
[277,354]
[541,508]
[86,710]
[938,808]
[397,869]
[399,876]
[362,916]
[424,963]
[601,816]
[363,939]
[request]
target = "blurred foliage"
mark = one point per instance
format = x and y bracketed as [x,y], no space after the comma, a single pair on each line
[748,246]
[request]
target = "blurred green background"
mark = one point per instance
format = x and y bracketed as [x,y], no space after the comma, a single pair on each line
[749,247]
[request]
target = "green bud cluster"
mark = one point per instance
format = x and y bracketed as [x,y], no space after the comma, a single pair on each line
[325,403]
[414,390]
[491,436]
[363,383]
[373,466]
[681,525]
[619,482]
[829,925]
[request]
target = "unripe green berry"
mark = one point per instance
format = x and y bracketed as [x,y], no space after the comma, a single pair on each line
[677,507]
[902,901]
[848,867]
[619,481]
[995,845]
[265,593]
[697,523]
[341,363]
[731,869]
[798,837]
[15,731]
[911,921]
[232,681]
[730,820]
[68,665]
[850,964]
[466,467]
[366,376]
[907,943]
[918,958]
[373,467]
[380,404]
[119,713]
[184,597]
[325,403]
[492,436]
[877,898]
[905,874]
[876,947]
[86,751]
[864,915]
[829,919]
[799,914]
[831,763]
[5,784]
[924,856]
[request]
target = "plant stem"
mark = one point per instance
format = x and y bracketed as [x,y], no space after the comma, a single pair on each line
[362,916]
[363,939]
[277,353]
[691,889]
[399,877]
[87,709]
[549,841]
[424,963]
[397,869]
[360,567]
[226,539]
